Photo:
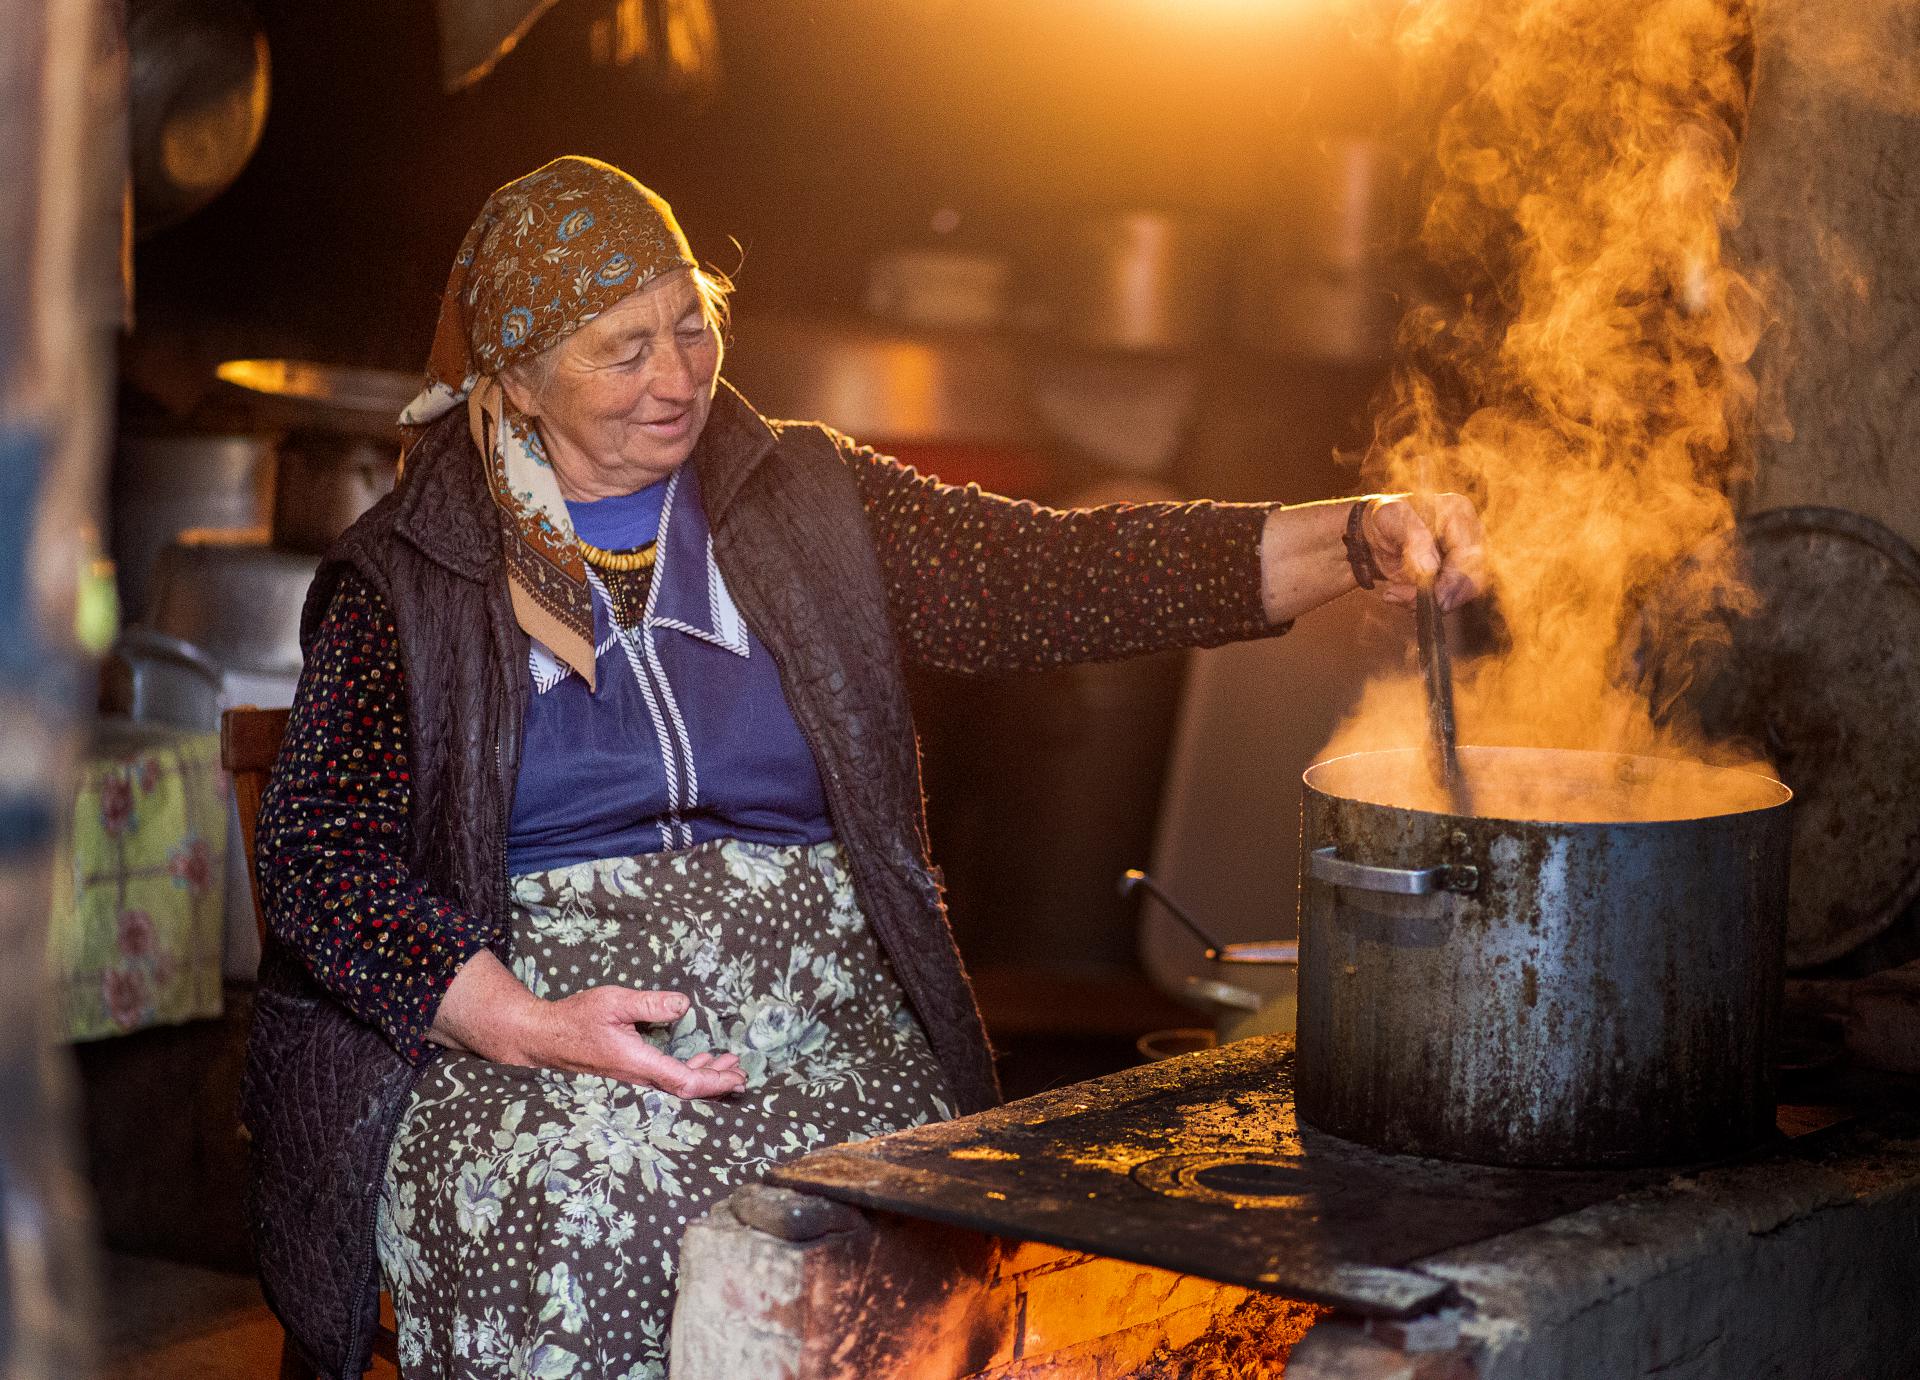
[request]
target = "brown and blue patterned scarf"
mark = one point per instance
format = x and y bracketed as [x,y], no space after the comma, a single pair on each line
[547,254]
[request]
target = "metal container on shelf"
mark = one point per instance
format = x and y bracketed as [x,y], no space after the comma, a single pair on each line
[940,289]
[234,597]
[885,384]
[166,482]
[1318,279]
[1137,280]
[323,481]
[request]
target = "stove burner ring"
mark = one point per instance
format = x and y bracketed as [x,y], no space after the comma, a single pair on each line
[1235,1178]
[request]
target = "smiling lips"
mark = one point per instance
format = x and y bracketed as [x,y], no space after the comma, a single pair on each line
[668,428]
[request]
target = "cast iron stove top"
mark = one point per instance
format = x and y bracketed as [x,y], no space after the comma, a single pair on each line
[1197,1164]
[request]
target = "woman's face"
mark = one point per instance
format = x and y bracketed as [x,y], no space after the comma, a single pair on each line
[629,392]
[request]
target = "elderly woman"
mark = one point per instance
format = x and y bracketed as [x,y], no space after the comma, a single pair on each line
[594,860]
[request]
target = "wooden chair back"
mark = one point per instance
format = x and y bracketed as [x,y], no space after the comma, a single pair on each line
[249,743]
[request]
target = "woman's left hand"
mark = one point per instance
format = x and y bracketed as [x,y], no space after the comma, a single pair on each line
[1444,544]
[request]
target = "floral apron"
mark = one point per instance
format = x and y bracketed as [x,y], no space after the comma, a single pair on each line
[530,1221]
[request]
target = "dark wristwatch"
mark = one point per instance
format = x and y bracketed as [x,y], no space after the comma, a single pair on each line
[1366,570]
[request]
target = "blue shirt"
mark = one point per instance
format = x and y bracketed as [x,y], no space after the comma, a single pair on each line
[688,737]
[624,521]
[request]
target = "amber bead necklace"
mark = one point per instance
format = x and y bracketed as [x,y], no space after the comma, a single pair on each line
[640,558]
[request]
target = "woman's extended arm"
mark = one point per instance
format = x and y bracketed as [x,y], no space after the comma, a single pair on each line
[979,583]
[335,888]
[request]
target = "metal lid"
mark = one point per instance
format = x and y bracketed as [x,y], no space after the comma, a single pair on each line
[328,397]
[1825,676]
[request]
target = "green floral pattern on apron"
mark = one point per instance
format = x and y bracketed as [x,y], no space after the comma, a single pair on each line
[530,1221]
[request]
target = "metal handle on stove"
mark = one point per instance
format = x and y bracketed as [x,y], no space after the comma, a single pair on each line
[1274,953]
[1326,865]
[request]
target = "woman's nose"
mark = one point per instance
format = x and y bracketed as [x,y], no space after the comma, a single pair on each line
[676,379]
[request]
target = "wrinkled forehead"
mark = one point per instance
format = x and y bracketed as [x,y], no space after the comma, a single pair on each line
[667,303]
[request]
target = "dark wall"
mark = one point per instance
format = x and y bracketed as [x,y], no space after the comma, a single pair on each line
[838,128]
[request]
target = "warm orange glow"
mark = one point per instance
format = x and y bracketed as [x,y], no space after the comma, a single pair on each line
[1256,8]
[276,376]
[1587,156]
[204,146]
[1240,12]
[371,391]
[683,30]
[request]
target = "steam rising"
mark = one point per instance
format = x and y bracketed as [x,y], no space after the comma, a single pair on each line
[1591,383]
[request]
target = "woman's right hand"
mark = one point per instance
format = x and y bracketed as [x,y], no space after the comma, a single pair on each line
[595,1031]
[489,1012]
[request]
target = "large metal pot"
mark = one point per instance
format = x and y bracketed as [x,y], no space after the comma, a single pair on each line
[166,483]
[1597,988]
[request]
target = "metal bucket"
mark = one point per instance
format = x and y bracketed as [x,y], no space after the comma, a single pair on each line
[1597,989]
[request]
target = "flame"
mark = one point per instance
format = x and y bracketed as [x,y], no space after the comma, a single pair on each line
[1593,388]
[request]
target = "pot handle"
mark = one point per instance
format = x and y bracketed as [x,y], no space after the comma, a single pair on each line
[1326,865]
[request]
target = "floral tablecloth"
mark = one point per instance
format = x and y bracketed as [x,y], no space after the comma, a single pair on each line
[137,926]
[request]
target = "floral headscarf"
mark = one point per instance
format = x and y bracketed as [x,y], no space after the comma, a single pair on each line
[546,255]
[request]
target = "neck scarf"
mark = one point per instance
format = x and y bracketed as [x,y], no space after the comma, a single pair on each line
[547,254]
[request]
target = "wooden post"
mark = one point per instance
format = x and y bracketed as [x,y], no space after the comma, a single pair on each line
[62,165]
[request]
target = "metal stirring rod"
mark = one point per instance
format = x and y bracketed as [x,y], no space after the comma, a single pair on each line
[1437,667]
[1438,670]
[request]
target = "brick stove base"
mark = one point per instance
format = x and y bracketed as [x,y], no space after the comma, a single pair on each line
[805,1289]
[1801,1267]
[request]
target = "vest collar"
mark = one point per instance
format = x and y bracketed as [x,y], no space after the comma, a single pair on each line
[445,511]
[735,441]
